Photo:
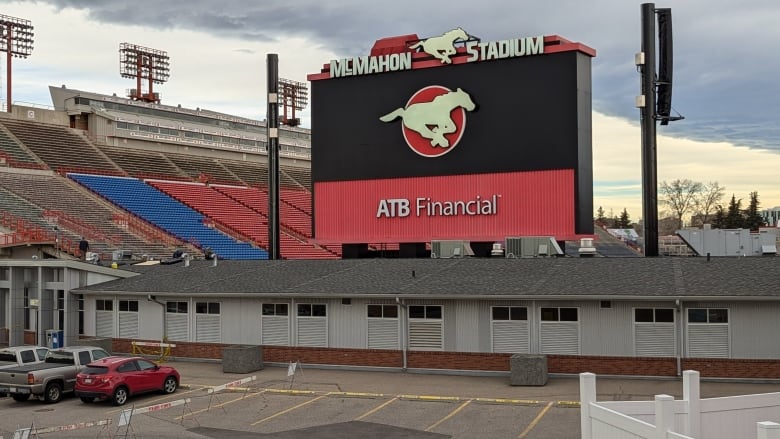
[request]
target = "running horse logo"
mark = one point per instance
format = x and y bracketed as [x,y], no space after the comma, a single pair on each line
[433,120]
[443,46]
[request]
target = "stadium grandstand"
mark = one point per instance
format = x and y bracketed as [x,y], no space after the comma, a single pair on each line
[144,180]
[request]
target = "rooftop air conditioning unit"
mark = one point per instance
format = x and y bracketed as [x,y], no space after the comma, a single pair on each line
[586,248]
[532,247]
[119,255]
[450,249]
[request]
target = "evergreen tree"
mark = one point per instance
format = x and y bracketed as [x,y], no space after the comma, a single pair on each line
[734,218]
[600,218]
[719,219]
[753,219]
[624,222]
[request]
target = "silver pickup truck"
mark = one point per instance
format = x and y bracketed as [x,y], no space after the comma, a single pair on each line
[21,355]
[50,379]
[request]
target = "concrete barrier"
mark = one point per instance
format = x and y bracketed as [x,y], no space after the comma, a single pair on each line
[100,342]
[528,370]
[242,358]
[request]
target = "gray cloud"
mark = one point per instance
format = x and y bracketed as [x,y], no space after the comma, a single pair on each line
[725,60]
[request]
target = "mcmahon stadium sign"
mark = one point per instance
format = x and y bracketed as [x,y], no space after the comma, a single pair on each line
[441,48]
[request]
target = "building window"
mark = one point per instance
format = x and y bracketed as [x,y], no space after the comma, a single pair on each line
[60,310]
[559,315]
[177,320]
[27,309]
[208,325]
[128,305]
[176,307]
[206,307]
[708,333]
[708,315]
[382,311]
[312,310]
[510,313]
[653,315]
[275,309]
[428,312]
[275,324]
[312,325]
[104,305]
[104,318]
[80,299]
[128,318]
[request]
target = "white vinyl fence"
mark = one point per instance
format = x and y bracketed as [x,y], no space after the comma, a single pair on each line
[730,417]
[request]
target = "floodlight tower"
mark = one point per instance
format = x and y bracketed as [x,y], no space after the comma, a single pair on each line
[17,41]
[143,63]
[295,95]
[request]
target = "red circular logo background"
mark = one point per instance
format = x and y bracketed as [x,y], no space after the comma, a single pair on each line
[420,144]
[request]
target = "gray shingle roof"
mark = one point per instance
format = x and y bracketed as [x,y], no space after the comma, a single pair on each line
[752,277]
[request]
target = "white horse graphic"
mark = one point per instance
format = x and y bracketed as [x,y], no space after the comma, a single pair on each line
[443,46]
[421,116]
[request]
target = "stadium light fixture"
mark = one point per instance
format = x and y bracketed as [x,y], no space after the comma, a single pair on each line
[138,62]
[17,41]
[294,95]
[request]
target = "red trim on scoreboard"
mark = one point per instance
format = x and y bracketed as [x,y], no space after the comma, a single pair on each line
[479,207]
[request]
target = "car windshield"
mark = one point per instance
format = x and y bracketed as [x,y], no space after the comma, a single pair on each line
[61,357]
[95,370]
[7,356]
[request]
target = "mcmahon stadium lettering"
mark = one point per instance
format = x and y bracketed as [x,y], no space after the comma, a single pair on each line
[477,51]
[425,206]
[364,65]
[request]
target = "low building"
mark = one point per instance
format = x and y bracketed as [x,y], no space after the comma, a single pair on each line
[623,316]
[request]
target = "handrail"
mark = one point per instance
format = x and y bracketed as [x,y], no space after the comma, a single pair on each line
[64,170]
[147,230]
[80,227]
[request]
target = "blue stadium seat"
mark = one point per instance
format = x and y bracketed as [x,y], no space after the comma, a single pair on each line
[168,214]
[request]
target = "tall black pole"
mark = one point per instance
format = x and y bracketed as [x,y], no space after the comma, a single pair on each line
[647,114]
[272,131]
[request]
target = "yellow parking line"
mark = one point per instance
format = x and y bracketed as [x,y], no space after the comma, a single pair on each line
[535,421]
[376,409]
[452,413]
[289,409]
[219,405]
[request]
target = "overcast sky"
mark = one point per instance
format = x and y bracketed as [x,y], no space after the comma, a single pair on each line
[725,67]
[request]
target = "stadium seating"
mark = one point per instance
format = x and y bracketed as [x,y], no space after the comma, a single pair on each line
[238,209]
[256,199]
[53,192]
[14,150]
[142,163]
[59,146]
[169,214]
[251,173]
[194,166]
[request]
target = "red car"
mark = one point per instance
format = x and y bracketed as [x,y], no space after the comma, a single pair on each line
[118,378]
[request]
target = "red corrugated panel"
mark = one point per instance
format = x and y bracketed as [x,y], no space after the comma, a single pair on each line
[527,203]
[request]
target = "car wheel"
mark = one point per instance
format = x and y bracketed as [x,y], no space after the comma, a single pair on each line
[53,393]
[170,385]
[21,397]
[87,399]
[120,396]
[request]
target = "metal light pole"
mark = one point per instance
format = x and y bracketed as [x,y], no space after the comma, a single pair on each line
[17,41]
[272,134]
[648,120]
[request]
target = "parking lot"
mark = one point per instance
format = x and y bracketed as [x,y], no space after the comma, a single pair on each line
[338,404]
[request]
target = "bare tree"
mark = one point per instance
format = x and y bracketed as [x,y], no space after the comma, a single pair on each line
[680,196]
[708,200]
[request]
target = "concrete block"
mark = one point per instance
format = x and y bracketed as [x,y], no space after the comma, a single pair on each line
[528,370]
[99,342]
[242,358]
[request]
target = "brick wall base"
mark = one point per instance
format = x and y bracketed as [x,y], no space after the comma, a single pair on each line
[475,361]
